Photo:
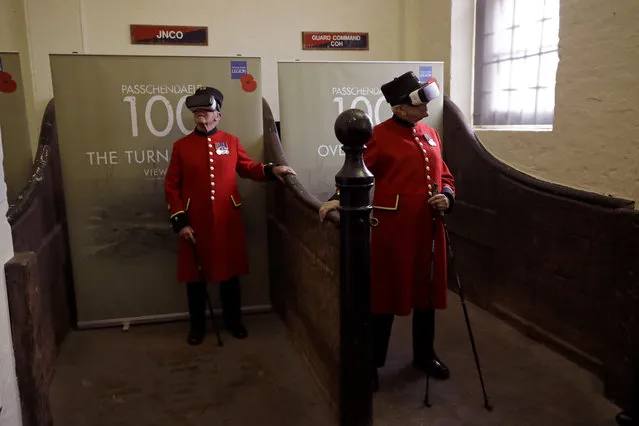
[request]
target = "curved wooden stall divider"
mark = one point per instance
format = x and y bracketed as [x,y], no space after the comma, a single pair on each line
[39,276]
[304,268]
[558,263]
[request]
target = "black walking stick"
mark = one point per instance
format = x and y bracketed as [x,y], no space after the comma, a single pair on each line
[431,289]
[206,292]
[487,405]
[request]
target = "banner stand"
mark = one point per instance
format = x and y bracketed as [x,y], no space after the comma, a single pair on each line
[330,87]
[118,117]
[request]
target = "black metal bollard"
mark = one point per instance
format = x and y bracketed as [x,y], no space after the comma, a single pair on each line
[354,128]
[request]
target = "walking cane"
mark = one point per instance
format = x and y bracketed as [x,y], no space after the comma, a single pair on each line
[487,405]
[206,292]
[431,289]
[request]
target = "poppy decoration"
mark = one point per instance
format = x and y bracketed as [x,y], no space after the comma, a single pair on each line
[7,83]
[248,83]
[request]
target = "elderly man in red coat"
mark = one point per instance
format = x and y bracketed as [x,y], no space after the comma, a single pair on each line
[405,156]
[205,210]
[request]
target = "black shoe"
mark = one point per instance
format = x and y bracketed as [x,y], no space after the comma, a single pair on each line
[626,418]
[434,368]
[237,330]
[424,356]
[196,334]
[375,379]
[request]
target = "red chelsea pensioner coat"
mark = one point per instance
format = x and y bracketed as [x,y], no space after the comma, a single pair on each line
[201,181]
[406,166]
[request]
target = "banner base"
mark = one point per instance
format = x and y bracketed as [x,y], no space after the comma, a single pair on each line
[152,319]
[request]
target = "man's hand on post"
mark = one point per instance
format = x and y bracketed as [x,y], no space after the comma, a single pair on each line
[281,171]
[327,207]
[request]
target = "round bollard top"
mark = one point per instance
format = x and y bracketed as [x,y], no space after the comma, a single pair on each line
[353,127]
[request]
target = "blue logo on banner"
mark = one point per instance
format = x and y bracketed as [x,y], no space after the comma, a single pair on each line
[425,73]
[238,69]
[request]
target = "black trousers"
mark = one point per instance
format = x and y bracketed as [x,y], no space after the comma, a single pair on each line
[230,296]
[423,336]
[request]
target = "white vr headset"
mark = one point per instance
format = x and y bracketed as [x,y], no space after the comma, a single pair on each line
[425,94]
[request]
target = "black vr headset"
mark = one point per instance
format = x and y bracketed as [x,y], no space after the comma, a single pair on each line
[206,98]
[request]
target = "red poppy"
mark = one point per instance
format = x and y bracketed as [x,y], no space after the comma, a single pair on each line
[7,83]
[248,83]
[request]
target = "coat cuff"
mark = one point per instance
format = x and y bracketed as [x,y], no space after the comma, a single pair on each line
[334,197]
[448,192]
[268,171]
[178,221]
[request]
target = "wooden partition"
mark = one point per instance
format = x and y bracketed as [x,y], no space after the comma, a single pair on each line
[304,269]
[560,264]
[39,278]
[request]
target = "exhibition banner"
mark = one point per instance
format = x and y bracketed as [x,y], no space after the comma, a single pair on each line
[313,94]
[118,117]
[14,126]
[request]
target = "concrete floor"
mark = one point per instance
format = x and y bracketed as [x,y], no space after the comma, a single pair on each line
[148,376]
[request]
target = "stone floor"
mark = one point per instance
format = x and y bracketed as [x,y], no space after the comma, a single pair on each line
[528,384]
[148,376]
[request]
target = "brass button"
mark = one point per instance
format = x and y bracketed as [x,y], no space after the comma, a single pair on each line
[430,186]
[212,197]
[425,158]
[208,139]
[430,193]
[428,168]
[428,177]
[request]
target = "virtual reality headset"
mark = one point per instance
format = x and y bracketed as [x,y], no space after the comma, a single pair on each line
[425,94]
[206,98]
[203,101]
[408,90]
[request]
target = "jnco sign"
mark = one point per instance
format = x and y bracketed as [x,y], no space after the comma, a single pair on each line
[169,34]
